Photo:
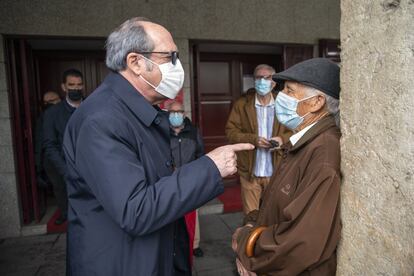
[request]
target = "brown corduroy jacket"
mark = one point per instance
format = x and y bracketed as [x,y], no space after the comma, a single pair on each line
[300,209]
[242,127]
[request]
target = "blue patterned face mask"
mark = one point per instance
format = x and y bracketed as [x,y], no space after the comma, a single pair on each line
[286,107]
[263,86]
[176,119]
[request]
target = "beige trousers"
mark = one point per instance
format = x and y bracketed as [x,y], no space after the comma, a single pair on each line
[251,192]
[196,243]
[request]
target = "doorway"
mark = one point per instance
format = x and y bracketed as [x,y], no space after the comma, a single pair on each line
[35,65]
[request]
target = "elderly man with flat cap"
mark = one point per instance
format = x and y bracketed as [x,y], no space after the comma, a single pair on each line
[297,228]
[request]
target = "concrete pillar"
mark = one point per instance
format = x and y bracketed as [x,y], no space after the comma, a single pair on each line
[183,48]
[9,200]
[377,107]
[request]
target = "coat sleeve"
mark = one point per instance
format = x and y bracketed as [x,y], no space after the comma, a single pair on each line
[115,173]
[233,129]
[313,228]
[50,143]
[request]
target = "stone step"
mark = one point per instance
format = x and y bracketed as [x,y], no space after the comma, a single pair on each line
[214,206]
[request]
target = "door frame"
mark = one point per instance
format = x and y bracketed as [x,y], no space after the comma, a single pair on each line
[23,77]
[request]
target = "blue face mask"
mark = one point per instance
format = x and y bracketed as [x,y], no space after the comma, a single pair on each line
[263,86]
[176,119]
[286,107]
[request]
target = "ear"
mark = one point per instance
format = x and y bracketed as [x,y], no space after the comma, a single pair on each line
[317,104]
[273,85]
[63,87]
[135,63]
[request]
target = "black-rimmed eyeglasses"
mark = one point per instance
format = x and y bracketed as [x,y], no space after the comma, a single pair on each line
[173,55]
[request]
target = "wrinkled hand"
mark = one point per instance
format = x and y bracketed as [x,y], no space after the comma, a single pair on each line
[234,239]
[263,143]
[225,157]
[242,270]
[236,235]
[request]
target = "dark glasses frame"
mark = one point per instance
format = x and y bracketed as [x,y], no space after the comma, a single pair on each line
[174,55]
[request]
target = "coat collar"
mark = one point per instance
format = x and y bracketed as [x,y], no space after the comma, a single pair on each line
[67,106]
[314,131]
[251,110]
[132,98]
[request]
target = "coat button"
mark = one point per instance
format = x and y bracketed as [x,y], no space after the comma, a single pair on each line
[157,121]
[168,163]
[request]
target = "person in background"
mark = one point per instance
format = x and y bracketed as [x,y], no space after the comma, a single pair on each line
[54,125]
[297,228]
[42,165]
[252,120]
[186,145]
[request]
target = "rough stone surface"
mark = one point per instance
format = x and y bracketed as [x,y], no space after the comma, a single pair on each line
[3,79]
[4,105]
[292,21]
[5,131]
[377,106]
[9,206]
[2,53]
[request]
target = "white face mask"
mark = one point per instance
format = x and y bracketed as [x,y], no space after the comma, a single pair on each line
[172,78]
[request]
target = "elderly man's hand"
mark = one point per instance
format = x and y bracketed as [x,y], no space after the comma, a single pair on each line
[236,235]
[225,157]
[242,270]
[234,239]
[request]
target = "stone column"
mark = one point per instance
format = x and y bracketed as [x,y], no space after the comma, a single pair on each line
[9,202]
[377,110]
[183,48]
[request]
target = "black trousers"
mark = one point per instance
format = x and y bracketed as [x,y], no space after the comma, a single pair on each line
[182,265]
[59,187]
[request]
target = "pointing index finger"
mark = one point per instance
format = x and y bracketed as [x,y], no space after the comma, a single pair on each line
[242,146]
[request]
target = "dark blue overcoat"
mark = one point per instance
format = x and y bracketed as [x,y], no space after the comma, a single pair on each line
[123,195]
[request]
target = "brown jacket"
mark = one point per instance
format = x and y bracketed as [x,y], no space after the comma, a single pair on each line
[300,209]
[242,127]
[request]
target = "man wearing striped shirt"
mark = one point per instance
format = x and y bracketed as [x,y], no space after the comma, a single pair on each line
[253,120]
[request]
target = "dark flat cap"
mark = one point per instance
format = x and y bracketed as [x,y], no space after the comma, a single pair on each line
[319,73]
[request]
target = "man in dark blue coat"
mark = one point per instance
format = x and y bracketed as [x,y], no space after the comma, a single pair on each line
[124,198]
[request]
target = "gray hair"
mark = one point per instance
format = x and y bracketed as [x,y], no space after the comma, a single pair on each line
[264,66]
[332,104]
[127,38]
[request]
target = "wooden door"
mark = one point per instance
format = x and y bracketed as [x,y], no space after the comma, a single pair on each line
[52,64]
[23,103]
[293,54]
[31,74]
[220,80]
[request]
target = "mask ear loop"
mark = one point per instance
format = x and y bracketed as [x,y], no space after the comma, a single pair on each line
[303,117]
[146,81]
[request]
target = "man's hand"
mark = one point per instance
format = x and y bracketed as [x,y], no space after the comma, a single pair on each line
[225,157]
[234,239]
[263,143]
[277,139]
[236,235]
[242,270]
